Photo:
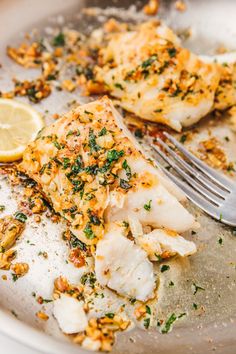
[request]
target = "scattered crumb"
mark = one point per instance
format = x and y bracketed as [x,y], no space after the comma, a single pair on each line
[212,153]
[20,269]
[42,316]
[68,85]
[180,5]
[151,8]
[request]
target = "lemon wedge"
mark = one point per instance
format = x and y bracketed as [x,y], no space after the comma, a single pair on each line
[19,124]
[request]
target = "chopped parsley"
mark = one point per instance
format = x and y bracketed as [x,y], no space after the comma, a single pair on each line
[65,162]
[94,219]
[103,131]
[146,323]
[127,169]
[148,205]
[138,133]
[172,52]
[31,93]
[89,232]
[51,77]
[20,217]
[169,323]
[195,306]
[171,283]
[88,278]
[70,132]
[148,310]
[92,141]
[118,85]
[46,301]
[124,184]
[2,208]
[125,224]
[87,112]
[164,268]
[196,288]
[114,155]
[146,63]
[57,145]
[15,277]
[89,196]
[14,313]
[76,243]
[59,40]
[110,315]
[159,257]
[92,169]
[132,300]
[183,138]
[78,186]
[220,241]
[86,71]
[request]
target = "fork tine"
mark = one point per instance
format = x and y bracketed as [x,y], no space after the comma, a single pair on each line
[222,181]
[194,172]
[196,185]
[193,195]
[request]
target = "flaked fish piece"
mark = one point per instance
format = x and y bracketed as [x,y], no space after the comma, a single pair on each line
[155,78]
[123,266]
[164,243]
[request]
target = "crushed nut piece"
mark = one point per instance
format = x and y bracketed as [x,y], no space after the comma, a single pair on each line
[212,153]
[61,284]
[151,8]
[42,316]
[10,230]
[113,25]
[6,258]
[68,85]
[37,218]
[35,90]
[20,269]
[140,311]
[77,257]
[27,55]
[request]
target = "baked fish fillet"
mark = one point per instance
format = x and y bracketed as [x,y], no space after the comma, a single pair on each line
[155,78]
[88,165]
[94,174]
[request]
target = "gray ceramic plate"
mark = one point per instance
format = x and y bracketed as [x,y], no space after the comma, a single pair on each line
[213,267]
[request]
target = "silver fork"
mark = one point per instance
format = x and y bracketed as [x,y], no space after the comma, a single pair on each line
[208,189]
